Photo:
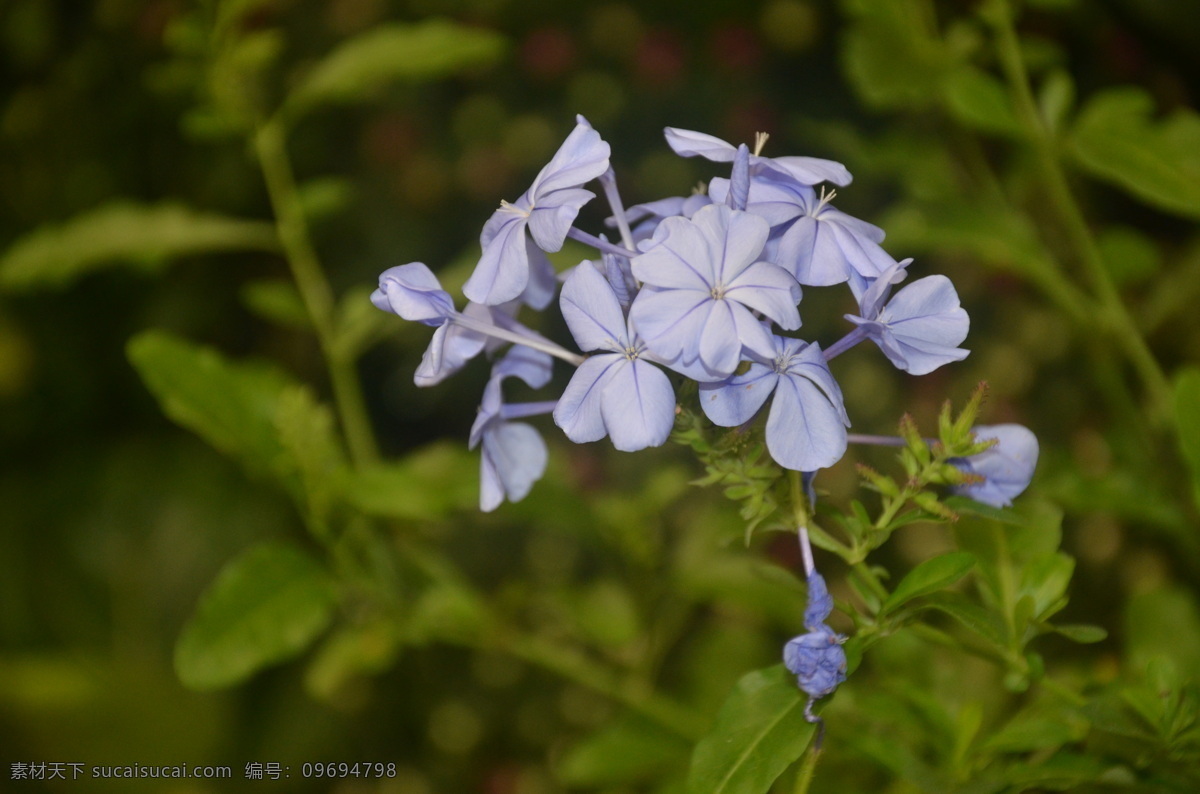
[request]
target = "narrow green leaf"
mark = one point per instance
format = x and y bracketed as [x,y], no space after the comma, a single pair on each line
[363,65]
[628,752]
[231,405]
[266,606]
[1187,421]
[1116,139]
[929,576]
[145,236]
[971,616]
[760,731]
[1081,633]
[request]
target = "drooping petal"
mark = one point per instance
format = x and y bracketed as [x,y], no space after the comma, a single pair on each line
[1007,467]
[809,170]
[514,458]
[582,157]
[532,366]
[818,661]
[543,281]
[592,310]
[503,270]
[578,410]
[638,406]
[688,143]
[413,292]
[732,402]
[820,603]
[552,216]
[451,347]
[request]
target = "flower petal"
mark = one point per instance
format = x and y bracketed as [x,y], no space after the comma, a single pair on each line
[592,310]
[551,218]
[503,271]
[671,321]
[769,289]
[582,157]
[578,410]
[805,431]
[514,458]
[638,406]
[732,402]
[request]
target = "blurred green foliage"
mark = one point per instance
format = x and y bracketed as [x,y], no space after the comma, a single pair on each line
[177,179]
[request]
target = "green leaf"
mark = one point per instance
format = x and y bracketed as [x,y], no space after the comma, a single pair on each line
[146,236]
[278,301]
[306,432]
[760,731]
[1116,139]
[890,54]
[427,484]
[630,751]
[1130,256]
[231,405]
[931,575]
[265,607]
[1187,421]
[978,620]
[979,100]
[1081,633]
[360,67]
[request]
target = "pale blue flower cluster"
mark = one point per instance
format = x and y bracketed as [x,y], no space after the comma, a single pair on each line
[709,287]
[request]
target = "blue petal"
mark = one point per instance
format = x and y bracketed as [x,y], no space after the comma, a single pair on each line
[514,458]
[720,346]
[817,660]
[578,410]
[413,292]
[809,170]
[671,321]
[688,143]
[805,430]
[452,346]
[592,310]
[1007,467]
[551,218]
[638,406]
[680,257]
[820,603]
[532,366]
[582,157]
[503,271]
[769,289]
[543,281]
[734,401]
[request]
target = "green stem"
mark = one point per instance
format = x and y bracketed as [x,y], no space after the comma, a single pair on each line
[1113,317]
[271,148]
[807,769]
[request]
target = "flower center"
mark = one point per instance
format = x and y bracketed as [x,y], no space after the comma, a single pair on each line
[717,291]
[513,208]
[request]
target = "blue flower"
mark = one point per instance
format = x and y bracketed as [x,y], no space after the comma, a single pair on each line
[815,242]
[1006,467]
[413,292]
[805,170]
[646,217]
[806,428]
[816,658]
[617,392]
[702,282]
[511,261]
[919,328]
[514,454]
